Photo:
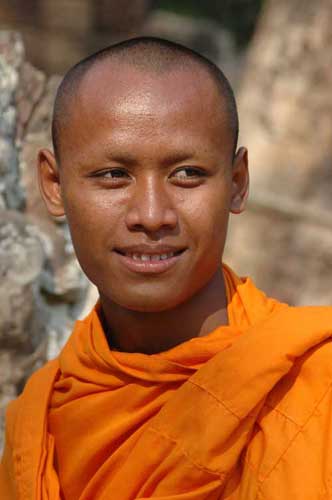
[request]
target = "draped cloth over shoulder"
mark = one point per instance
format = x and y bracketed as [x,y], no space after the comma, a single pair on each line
[243,413]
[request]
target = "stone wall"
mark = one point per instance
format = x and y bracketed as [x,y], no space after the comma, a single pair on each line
[42,289]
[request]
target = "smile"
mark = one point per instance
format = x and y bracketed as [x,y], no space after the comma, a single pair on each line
[150,257]
[149,263]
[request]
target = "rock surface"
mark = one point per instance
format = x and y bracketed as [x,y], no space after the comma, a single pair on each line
[11,57]
[42,288]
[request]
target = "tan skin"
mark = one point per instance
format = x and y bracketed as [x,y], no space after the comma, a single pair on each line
[147,159]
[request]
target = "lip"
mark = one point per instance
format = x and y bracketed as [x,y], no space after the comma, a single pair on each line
[156,249]
[151,266]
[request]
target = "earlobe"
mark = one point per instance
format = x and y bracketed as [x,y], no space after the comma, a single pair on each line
[49,183]
[240,181]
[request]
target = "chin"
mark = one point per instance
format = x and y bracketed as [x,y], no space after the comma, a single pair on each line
[150,302]
[148,306]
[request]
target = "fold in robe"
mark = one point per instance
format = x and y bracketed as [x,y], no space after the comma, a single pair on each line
[243,413]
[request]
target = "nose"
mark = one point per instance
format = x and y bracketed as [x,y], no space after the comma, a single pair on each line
[150,208]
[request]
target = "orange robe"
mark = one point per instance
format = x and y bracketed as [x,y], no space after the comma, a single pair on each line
[244,413]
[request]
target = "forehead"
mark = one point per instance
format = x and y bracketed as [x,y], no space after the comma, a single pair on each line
[124,98]
[111,85]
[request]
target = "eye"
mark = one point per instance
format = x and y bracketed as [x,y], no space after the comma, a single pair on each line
[111,177]
[114,173]
[186,172]
[188,175]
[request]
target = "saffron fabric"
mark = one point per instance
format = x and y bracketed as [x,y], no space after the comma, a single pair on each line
[244,413]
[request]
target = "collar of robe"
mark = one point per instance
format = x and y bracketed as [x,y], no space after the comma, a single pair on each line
[87,355]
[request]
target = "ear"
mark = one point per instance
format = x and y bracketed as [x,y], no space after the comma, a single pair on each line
[49,183]
[240,181]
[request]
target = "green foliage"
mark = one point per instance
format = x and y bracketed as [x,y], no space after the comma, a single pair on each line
[237,16]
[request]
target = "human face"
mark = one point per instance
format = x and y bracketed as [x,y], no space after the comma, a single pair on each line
[147,183]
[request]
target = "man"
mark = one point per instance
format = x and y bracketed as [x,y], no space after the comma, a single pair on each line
[185,382]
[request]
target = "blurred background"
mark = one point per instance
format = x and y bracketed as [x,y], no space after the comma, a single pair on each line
[58,33]
[278,57]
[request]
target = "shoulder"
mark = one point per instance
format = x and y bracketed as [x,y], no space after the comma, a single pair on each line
[33,399]
[306,383]
[294,425]
[297,394]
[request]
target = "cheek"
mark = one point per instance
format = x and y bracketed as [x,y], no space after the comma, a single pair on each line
[93,219]
[205,217]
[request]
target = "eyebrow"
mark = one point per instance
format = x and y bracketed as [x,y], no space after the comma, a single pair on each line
[170,159]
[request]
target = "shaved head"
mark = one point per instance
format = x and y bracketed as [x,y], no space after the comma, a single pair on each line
[149,55]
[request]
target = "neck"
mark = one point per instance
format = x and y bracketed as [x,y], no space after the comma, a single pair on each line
[153,332]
